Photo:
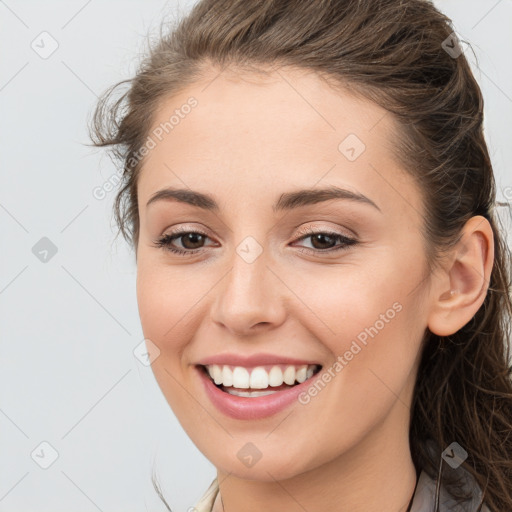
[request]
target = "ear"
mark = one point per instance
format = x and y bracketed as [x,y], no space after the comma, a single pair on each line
[461,285]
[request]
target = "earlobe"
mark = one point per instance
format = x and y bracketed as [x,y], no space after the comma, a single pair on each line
[461,287]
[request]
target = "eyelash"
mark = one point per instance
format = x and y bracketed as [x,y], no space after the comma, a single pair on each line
[166,240]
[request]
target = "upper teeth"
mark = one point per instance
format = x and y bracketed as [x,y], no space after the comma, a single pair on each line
[259,377]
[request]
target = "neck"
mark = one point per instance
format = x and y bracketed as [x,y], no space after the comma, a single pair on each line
[376,475]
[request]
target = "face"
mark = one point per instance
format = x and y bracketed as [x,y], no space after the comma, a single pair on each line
[272,266]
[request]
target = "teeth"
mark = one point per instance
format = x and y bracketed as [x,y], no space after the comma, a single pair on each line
[259,378]
[289,375]
[249,394]
[275,377]
[300,374]
[227,376]
[241,377]
[216,374]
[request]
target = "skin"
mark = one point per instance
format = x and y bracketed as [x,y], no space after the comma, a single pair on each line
[250,139]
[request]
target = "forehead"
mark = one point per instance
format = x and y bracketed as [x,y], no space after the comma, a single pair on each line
[268,132]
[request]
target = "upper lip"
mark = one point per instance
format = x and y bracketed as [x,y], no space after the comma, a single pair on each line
[252,360]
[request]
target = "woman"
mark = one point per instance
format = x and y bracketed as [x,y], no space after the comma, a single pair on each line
[310,199]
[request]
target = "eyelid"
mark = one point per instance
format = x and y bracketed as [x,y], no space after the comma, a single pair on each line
[186,228]
[309,230]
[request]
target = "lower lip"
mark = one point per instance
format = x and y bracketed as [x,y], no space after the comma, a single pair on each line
[244,408]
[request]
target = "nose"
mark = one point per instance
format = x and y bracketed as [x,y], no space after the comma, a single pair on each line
[249,297]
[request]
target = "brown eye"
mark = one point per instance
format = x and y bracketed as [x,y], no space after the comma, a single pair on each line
[182,242]
[192,240]
[325,241]
[322,241]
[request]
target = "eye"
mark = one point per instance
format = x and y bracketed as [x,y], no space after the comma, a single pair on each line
[325,241]
[191,241]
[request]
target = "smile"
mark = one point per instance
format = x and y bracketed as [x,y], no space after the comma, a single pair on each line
[255,392]
[233,379]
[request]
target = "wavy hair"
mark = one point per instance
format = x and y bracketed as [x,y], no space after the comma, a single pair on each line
[402,55]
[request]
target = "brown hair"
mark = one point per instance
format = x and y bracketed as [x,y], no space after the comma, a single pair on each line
[396,54]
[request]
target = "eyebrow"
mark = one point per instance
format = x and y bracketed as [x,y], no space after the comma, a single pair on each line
[287,200]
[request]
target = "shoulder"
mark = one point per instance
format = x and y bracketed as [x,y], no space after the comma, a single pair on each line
[205,504]
[425,495]
[423,501]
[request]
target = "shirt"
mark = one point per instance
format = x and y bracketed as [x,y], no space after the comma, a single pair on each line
[423,499]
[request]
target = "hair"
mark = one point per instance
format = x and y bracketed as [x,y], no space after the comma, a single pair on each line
[391,52]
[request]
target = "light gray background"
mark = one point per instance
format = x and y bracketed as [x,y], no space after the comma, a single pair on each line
[69,326]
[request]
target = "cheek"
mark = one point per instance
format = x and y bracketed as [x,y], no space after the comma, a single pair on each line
[343,301]
[370,291]
[166,305]
[369,321]
[377,334]
[167,301]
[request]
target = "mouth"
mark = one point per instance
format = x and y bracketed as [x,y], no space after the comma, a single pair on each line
[253,382]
